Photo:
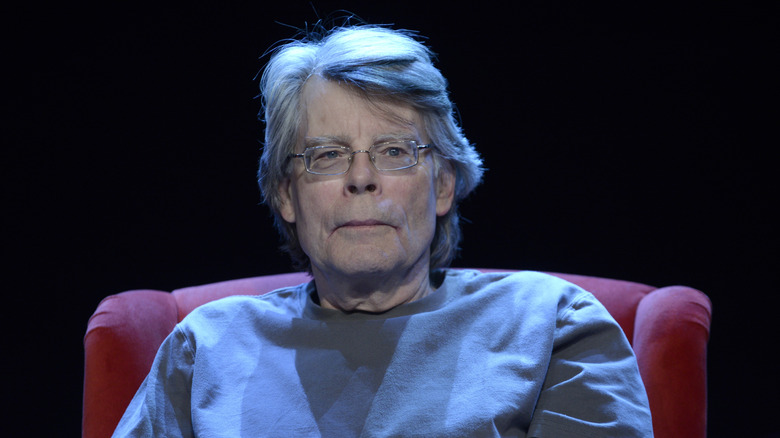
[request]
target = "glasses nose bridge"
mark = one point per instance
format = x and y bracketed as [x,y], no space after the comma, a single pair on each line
[368,151]
[370,158]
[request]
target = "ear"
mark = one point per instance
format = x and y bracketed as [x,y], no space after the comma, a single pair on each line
[286,207]
[445,190]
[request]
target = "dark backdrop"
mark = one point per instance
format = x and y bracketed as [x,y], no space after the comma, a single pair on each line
[623,141]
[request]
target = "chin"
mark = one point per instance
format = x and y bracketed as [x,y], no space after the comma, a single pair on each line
[368,266]
[365,261]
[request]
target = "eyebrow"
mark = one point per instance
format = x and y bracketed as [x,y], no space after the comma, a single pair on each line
[345,141]
[319,141]
[395,136]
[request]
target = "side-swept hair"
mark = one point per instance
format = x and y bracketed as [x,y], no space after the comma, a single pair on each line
[380,63]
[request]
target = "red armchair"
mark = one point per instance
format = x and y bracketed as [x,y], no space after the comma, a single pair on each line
[667,327]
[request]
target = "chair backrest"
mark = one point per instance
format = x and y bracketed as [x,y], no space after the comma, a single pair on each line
[667,327]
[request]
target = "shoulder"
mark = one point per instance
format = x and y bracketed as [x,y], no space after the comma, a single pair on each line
[524,293]
[284,300]
[523,286]
[237,311]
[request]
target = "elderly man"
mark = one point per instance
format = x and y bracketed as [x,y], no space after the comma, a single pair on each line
[363,167]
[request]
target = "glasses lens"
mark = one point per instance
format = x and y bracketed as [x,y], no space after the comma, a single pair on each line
[394,155]
[335,160]
[327,160]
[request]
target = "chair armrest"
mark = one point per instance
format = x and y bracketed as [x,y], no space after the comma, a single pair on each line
[670,340]
[120,344]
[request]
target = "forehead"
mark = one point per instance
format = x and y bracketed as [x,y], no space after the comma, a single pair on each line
[330,108]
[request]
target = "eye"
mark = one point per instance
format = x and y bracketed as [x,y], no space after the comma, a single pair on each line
[393,150]
[328,154]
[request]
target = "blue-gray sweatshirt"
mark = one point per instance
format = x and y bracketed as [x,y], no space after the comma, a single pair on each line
[522,355]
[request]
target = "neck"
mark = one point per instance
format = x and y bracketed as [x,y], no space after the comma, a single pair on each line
[371,292]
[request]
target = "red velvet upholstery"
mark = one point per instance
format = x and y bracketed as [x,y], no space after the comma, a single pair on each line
[667,327]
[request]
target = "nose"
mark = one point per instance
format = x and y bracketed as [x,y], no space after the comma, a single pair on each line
[362,176]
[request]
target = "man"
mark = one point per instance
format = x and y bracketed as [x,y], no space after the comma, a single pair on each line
[363,167]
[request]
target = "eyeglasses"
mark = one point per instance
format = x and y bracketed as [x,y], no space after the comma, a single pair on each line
[336,160]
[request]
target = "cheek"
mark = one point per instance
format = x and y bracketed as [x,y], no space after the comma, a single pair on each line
[313,206]
[421,210]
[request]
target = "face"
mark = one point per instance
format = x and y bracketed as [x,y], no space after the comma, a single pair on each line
[364,223]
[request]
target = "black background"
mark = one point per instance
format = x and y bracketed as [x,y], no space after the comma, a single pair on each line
[625,141]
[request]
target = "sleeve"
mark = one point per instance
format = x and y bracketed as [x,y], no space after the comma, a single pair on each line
[161,407]
[593,387]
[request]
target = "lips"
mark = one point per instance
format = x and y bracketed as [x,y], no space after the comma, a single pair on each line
[362,223]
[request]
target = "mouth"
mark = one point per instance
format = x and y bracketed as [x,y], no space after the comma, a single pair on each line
[362,223]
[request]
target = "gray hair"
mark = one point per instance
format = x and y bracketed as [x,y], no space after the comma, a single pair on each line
[382,64]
